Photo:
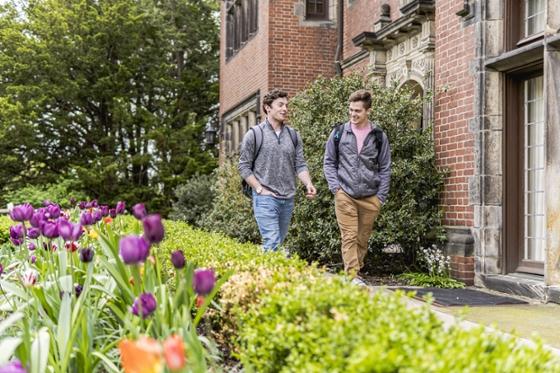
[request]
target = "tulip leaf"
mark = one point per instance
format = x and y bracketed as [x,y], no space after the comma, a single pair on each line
[109,365]
[9,322]
[64,325]
[40,351]
[11,288]
[7,348]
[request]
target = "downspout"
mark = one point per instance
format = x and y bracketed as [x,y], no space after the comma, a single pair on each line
[340,36]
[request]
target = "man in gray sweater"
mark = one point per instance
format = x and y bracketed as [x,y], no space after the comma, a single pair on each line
[270,167]
[357,166]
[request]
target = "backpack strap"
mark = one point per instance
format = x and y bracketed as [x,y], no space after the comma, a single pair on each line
[338,128]
[378,133]
[258,136]
[293,136]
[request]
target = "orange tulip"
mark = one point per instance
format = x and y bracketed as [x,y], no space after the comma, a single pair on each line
[141,356]
[107,220]
[174,352]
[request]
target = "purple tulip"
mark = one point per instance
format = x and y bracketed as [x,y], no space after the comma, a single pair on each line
[104,210]
[94,203]
[120,208]
[21,212]
[32,259]
[72,201]
[77,231]
[86,218]
[1,269]
[82,205]
[37,218]
[48,202]
[86,254]
[204,281]
[145,304]
[153,228]
[64,229]
[134,249]
[97,215]
[31,246]
[13,366]
[178,259]
[78,289]
[33,232]
[49,229]
[53,211]
[139,211]
[113,213]
[16,231]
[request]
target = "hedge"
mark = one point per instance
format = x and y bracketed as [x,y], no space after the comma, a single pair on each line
[280,315]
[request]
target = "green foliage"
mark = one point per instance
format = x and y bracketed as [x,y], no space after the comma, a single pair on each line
[411,216]
[231,212]
[5,223]
[438,281]
[291,318]
[194,199]
[117,91]
[62,190]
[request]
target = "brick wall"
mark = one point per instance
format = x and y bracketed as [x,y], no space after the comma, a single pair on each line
[247,71]
[462,269]
[454,105]
[299,53]
[360,16]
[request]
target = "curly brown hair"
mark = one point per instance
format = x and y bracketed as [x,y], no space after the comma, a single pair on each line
[269,98]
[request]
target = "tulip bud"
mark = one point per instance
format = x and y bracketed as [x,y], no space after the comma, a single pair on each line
[86,254]
[144,305]
[178,259]
[204,281]
[153,228]
[139,211]
[133,249]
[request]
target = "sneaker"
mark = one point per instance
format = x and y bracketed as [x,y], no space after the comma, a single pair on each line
[358,281]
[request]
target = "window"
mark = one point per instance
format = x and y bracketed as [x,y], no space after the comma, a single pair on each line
[316,9]
[524,19]
[533,17]
[534,216]
[524,215]
[241,24]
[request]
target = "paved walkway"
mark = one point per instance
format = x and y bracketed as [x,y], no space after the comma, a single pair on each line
[523,321]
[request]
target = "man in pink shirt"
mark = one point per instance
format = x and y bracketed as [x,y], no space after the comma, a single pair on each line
[357,166]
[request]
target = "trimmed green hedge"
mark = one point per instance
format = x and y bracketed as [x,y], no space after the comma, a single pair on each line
[281,315]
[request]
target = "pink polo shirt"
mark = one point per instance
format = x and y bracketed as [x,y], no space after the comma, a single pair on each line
[360,134]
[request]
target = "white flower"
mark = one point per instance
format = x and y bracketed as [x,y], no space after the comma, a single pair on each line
[29,277]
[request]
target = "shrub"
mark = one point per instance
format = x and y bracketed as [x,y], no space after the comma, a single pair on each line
[60,191]
[194,199]
[231,212]
[284,317]
[411,216]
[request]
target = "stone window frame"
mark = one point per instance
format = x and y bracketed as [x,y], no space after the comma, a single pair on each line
[242,23]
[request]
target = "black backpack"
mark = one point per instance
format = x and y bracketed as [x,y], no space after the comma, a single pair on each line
[378,135]
[246,188]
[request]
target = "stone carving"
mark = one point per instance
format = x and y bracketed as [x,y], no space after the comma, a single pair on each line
[415,42]
[401,49]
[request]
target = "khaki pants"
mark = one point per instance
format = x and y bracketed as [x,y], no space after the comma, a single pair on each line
[355,219]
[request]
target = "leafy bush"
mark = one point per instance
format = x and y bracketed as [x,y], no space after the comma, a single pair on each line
[61,191]
[194,199]
[284,316]
[231,212]
[411,216]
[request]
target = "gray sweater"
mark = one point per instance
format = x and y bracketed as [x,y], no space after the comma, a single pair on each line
[277,163]
[355,173]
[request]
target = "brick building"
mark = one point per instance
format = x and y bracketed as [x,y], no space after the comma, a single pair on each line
[493,66]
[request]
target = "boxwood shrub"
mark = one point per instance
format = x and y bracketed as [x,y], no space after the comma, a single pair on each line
[280,315]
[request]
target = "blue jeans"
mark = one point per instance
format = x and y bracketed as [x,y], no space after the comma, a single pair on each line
[273,217]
